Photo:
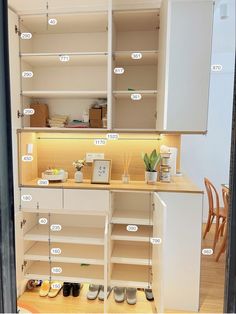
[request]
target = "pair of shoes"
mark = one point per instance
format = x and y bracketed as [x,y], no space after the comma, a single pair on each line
[97,291]
[74,287]
[121,293]
[149,294]
[50,289]
[31,284]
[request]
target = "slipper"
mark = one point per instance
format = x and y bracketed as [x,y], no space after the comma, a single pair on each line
[45,288]
[119,294]
[93,292]
[101,293]
[149,295]
[56,287]
[131,296]
[76,287]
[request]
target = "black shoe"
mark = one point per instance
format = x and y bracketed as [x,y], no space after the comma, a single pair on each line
[149,295]
[66,289]
[76,289]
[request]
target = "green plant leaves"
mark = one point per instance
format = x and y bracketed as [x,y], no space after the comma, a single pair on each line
[151,161]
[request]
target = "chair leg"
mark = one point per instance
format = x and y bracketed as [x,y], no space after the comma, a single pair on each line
[223,228]
[208,225]
[216,232]
[222,248]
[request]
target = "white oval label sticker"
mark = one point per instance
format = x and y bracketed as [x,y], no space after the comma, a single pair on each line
[64,58]
[112,136]
[132,228]
[29,111]
[55,227]
[52,22]
[100,142]
[27,158]
[136,96]
[119,70]
[27,74]
[43,221]
[136,55]
[56,285]
[207,251]
[43,182]
[156,240]
[56,270]
[26,198]
[216,67]
[56,251]
[26,36]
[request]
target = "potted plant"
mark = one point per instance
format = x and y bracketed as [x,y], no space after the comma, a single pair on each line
[151,162]
[78,164]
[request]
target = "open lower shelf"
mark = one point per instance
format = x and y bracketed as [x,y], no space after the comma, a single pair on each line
[125,58]
[70,253]
[131,276]
[75,59]
[65,94]
[80,235]
[119,232]
[128,216]
[132,253]
[127,94]
[69,272]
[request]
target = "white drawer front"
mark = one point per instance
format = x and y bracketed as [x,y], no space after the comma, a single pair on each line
[38,198]
[86,200]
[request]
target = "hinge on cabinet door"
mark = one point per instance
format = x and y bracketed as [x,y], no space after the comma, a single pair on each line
[155,115]
[17,31]
[23,266]
[22,223]
[19,114]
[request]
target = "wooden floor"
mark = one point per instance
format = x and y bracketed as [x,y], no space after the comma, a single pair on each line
[211,294]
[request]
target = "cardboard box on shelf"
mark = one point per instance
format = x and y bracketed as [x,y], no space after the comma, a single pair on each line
[95,123]
[40,116]
[104,111]
[95,114]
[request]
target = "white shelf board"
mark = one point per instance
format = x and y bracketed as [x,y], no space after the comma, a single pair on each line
[134,217]
[124,58]
[65,94]
[119,232]
[82,235]
[132,253]
[131,276]
[147,20]
[70,253]
[127,94]
[62,212]
[76,59]
[70,272]
[86,22]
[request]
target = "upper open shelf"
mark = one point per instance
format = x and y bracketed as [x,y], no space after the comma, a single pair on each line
[65,94]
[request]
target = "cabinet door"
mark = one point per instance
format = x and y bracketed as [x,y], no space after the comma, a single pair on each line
[19,253]
[185,64]
[38,198]
[86,200]
[159,218]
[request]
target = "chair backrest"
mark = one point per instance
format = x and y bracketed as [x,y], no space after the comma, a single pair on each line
[225,195]
[213,197]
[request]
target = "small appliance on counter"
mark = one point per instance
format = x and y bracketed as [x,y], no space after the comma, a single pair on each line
[55,175]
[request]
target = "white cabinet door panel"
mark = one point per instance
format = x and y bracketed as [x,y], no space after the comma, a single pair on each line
[86,200]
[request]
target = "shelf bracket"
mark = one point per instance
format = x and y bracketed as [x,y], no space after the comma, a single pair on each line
[19,114]
[17,31]
[22,223]
[23,265]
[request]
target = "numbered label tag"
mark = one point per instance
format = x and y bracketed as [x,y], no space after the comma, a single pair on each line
[43,182]
[43,221]
[27,74]
[136,55]
[26,36]
[100,142]
[119,70]
[56,227]
[27,158]
[56,270]
[26,198]
[64,58]
[56,285]
[207,251]
[216,67]
[132,228]
[52,22]
[29,111]
[136,96]
[112,136]
[156,240]
[56,251]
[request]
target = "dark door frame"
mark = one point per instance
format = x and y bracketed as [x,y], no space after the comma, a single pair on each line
[7,230]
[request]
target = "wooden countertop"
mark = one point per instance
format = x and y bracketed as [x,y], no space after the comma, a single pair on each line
[177,184]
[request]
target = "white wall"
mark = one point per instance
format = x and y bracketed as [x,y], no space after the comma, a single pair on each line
[209,155]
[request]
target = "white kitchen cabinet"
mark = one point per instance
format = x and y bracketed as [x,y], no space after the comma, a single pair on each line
[184,65]
[176,261]
[40,198]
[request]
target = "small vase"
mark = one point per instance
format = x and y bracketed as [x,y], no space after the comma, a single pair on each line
[151,177]
[78,176]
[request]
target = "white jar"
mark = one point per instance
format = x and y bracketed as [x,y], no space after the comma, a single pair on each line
[85,116]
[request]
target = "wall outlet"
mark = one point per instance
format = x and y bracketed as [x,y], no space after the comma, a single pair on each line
[91,156]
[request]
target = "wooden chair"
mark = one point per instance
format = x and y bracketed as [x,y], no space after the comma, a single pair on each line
[215,211]
[225,194]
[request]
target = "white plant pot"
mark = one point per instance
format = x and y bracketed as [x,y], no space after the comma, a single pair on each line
[78,176]
[151,177]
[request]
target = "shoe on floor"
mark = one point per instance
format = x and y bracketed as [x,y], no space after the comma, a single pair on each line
[119,294]
[101,293]
[93,292]
[76,287]
[149,295]
[55,288]
[45,288]
[66,289]
[131,296]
